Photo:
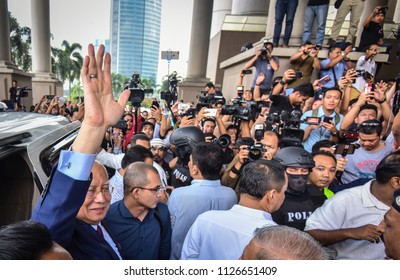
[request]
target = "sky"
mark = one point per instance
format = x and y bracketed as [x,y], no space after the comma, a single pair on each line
[84,21]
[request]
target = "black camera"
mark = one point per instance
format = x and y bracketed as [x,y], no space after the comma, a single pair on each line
[23,91]
[189,112]
[223,140]
[207,100]
[137,92]
[365,74]
[287,125]
[299,74]
[171,95]
[244,109]
[121,124]
[265,51]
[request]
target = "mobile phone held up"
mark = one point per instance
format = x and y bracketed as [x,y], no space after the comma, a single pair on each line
[324,80]
[155,104]
[210,112]
[248,71]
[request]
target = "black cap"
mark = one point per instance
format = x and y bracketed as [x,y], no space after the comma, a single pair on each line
[396,200]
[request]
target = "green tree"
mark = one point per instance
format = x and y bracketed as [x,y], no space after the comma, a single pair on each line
[68,62]
[20,38]
[76,91]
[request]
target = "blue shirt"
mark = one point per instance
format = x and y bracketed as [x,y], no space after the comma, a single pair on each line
[186,204]
[320,133]
[339,69]
[263,66]
[223,235]
[149,239]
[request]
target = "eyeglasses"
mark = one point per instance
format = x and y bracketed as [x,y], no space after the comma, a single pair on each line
[157,148]
[155,190]
[364,124]
[128,120]
[106,191]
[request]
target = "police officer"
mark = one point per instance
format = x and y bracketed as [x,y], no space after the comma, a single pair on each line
[298,205]
[184,139]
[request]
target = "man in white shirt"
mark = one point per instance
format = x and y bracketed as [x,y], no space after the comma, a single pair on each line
[220,235]
[348,221]
[366,63]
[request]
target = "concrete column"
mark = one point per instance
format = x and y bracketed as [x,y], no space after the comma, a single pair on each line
[220,10]
[44,81]
[5,49]
[396,16]
[41,60]
[199,39]
[250,7]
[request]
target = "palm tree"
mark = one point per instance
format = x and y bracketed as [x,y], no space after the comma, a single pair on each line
[20,38]
[68,62]
[119,82]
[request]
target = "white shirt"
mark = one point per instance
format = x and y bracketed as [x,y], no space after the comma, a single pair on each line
[114,161]
[117,181]
[367,65]
[223,235]
[351,208]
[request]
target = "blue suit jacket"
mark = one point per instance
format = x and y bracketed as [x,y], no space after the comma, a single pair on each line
[57,209]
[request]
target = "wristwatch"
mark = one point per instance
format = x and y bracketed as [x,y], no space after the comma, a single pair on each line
[282,82]
[380,102]
[335,133]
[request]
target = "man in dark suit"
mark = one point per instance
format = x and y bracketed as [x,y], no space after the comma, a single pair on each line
[78,196]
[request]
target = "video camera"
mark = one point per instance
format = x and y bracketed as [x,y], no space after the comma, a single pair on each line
[207,100]
[171,95]
[223,140]
[244,109]
[23,91]
[288,127]
[121,124]
[137,91]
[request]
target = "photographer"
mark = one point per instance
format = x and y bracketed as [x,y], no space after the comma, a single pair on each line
[305,60]
[366,67]
[335,65]
[265,63]
[13,91]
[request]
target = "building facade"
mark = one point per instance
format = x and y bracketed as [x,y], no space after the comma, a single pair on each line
[135,37]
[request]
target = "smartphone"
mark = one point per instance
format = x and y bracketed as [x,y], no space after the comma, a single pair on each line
[155,104]
[183,106]
[50,96]
[299,74]
[210,112]
[248,71]
[264,103]
[240,88]
[324,80]
[327,119]
[345,149]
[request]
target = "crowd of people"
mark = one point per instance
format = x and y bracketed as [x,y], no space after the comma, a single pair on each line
[292,168]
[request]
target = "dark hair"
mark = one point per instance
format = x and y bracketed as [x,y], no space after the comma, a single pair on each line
[269,44]
[368,107]
[370,127]
[210,85]
[139,136]
[324,153]
[321,144]
[332,88]
[146,123]
[24,240]
[232,126]
[332,48]
[208,120]
[388,168]
[261,176]
[209,158]
[305,89]
[134,154]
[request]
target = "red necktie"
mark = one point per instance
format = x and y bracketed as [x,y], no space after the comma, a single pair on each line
[100,231]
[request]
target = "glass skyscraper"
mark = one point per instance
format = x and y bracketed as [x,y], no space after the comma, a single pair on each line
[135,37]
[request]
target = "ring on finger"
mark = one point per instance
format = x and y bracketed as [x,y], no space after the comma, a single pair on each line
[92,76]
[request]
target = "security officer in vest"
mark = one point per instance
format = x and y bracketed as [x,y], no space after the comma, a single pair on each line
[298,204]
